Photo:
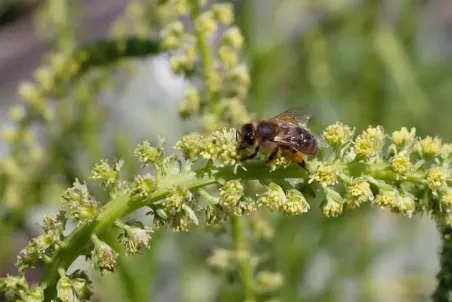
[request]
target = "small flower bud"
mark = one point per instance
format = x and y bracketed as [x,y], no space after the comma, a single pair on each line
[215,215]
[333,205]
[219,258]
[223,13]
[240,76]
[172,165]
[295,204]
[337,134]
[65,291]
[143,186]
[178,64]
[430,147]
[358,192]
[206,24]
[273,198]
[269,281]
[231,193]
[233,38]
[45,77]
[182,7]
[262,228]
[191,103]
[236,110]
[245,207]
[37,250]
[325,175]
[147,154]
[103,257]
[209,122]
[17,112]
[29,92]
[369,142]
[404,205]
[213,80]
[401,163]
[176,27]
[228,57]
[54,225]
[436,178]
[446,200]
[82,206]
[174,203]
[134,235]
[36,295]
[13,287]
[402,137]
[171,42]
[386,199]
[104,172]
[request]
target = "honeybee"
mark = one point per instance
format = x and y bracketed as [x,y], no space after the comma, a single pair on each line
[284,131]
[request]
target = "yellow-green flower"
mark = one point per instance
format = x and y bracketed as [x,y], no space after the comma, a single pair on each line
[337,134]
[295,204]
[325,175]
[430,147]
[233,38]
[386,199]
[219,258]
[401,163]
[436,178]
[273,198]
[333,205]
[358,192]
[206,23]
[403,137]
[404,205]
[269,281]
[369,142]
[446,200]
[231,193]
[223,13]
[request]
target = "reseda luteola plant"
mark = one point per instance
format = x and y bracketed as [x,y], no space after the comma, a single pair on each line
[205,183]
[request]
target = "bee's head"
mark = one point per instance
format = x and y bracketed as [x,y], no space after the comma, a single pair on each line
[247,138]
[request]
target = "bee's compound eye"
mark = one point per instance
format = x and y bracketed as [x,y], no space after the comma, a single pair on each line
[249,138]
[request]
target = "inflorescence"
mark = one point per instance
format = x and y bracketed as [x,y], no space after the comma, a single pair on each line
[341,178]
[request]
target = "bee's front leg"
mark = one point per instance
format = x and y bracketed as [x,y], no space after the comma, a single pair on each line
[251,156]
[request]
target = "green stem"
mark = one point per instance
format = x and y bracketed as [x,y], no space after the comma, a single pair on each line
[207,59]
[117,208]
[443,292]
[243,250]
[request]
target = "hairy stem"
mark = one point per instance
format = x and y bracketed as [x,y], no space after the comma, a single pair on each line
[243,253]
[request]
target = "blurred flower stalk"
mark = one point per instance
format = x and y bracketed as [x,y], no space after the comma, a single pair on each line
[209,185]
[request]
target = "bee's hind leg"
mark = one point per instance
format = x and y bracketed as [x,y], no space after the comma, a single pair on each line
[299,158]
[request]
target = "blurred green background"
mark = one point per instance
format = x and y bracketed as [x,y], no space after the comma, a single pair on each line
[362,62]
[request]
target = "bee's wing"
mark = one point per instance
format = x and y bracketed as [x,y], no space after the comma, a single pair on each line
[296,115]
